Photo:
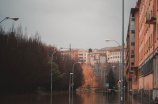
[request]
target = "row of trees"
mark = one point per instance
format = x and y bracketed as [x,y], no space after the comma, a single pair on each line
[25,64]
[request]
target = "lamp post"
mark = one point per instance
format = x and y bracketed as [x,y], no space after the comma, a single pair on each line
[15,19]
[107,40]
[70,86]
[70,82]
[51,72]
[69,51]
[73,73]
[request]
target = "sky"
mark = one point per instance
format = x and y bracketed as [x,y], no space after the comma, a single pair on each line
[82,23]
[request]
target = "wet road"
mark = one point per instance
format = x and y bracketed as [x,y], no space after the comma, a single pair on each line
[77,98]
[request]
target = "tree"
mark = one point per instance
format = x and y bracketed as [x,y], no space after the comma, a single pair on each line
[56,74]
[110,78]
[89,76]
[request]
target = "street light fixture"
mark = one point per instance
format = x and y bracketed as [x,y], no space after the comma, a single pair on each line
[73,73]
[51,71]
[107,40]
[70,81]
[15,19]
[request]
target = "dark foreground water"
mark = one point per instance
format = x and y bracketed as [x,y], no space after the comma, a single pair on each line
[75,98]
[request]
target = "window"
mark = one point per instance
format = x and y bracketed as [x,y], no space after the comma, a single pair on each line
[132,44]
[132,14]
[133,27]
[132,64]
[132,31]
[132,19]
[132,56]
[132,39]
[132,51]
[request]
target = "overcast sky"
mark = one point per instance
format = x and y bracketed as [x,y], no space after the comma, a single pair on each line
[83,23]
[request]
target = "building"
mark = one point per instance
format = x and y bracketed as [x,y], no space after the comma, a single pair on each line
[83,55]
[131,67]
[74,54]
[113,54]
[142,70]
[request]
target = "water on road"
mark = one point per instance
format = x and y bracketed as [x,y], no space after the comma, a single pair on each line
[75,98]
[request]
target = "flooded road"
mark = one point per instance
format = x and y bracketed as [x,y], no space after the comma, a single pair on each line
[75,98]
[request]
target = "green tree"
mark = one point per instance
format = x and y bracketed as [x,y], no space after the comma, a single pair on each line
[111,79]
[56,74]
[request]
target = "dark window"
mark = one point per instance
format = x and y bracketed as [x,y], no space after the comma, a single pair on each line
[132,31]
[132,51]
[132,56]
[132,68]
[132,64]
[132,14]
[132,19]
[132,44]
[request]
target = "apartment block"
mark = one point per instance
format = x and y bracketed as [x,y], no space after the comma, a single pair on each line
[114,54]
[142,69]
[131,67]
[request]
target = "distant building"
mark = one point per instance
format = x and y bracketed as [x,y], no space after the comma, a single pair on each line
[113,54]
[74,54]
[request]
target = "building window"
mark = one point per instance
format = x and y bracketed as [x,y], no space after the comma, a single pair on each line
[132,56]
[132,64]
[132,19]
[133,27]
[132,51]
[132,14]
[132,44]
[132,39]
[133,31]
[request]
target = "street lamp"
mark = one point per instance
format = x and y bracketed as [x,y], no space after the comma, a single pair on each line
[70,81]
[51,71]
[73,73]
[107,40]
[15,19]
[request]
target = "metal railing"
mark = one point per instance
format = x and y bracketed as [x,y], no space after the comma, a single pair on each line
[150,16]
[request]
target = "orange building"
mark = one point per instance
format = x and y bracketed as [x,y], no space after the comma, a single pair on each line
[131,66]
[74,54]
[144,76]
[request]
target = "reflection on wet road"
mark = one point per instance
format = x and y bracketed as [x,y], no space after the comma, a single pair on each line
[73,98]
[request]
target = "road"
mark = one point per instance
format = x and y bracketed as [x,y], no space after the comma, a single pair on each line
[75,98]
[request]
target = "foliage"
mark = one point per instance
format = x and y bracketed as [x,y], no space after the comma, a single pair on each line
[111,79]
[25,64]
[89,76]
[56,74]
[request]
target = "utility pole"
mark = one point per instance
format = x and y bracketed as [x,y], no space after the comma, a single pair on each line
[70,51]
